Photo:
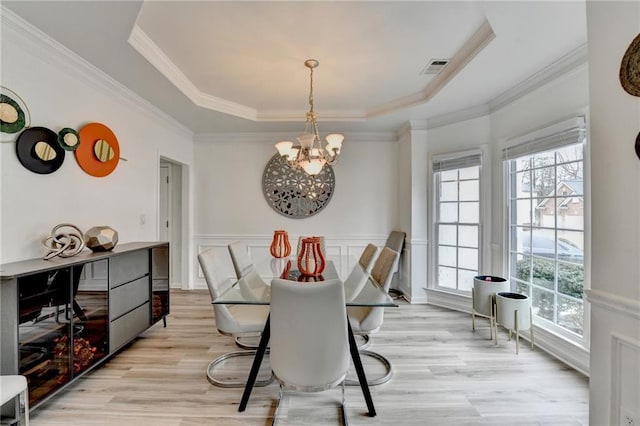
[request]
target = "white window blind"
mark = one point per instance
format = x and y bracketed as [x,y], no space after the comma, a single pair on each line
[461,161]
[568,133]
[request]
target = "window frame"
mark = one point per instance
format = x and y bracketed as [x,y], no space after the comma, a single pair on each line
[518,145]
[457,158]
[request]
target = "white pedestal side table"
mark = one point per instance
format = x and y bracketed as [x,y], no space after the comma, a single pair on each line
[513,312]
[483,294]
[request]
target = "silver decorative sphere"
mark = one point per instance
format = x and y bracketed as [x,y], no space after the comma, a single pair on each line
[101,238]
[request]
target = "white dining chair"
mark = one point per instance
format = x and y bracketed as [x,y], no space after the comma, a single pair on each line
[309,337]
[395,241]
[242,262]
[367,320]
[231,320]
[15,386]
[368,256]
[358,276]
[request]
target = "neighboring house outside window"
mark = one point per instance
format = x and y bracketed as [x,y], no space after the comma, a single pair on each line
[546,211]
[457,239]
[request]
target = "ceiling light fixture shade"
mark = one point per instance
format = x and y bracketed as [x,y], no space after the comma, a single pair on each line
[309,154]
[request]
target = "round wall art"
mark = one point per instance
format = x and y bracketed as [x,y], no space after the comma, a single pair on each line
[68,139]
[38,150]
[292,192]
[630,68]
[14,114]
[98,151]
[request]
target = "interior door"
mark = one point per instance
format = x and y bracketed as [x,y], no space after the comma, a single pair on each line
[165,204]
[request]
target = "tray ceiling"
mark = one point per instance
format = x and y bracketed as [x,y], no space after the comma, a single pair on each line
[238,66]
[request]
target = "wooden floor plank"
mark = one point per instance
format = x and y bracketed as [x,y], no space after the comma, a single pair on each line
[444,374]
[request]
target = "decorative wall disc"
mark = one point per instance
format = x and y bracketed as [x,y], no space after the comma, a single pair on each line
[38,150]
[68,139]
[90,160]
[630,68]
[292,192]
[14,114]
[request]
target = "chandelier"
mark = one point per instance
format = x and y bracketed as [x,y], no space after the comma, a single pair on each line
[309,154]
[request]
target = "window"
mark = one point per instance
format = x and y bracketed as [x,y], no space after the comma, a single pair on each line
[457,220]
[545,181]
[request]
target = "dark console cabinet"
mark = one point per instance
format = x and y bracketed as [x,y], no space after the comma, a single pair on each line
[62,317]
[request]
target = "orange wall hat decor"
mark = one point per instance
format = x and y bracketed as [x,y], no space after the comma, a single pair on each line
[311,260]
[280,246]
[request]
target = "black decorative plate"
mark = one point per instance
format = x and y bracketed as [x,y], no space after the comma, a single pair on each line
[638,145]
[26,150]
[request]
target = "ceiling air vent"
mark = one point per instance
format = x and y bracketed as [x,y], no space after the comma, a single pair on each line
[434,66]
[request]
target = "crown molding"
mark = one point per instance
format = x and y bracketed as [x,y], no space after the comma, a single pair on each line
[141,42]
[474,45]
[458,116]
[571,61]
[144,45]
[35,42]
[273,137]
[568,63]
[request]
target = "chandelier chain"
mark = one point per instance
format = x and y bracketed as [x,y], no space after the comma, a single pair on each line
[311,91]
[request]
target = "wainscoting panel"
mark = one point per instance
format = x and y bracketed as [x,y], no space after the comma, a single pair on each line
[615,359]
[258,247]
[625,381]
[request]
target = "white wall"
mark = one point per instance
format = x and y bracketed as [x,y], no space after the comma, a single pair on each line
[230,205]
[615,170]
[61,90]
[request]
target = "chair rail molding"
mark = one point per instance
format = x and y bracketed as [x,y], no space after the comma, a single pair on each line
[612,302]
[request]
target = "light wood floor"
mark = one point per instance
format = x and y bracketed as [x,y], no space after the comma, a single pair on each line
[445,374]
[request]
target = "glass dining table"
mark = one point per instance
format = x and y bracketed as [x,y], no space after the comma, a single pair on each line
[360,290]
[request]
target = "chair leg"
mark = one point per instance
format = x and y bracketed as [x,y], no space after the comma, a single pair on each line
[232,384]
[276,415]
[531,325]
[243,345]
[473,312]
[345,421]
[515,316]
[367,342]
[377,380]
[24,396]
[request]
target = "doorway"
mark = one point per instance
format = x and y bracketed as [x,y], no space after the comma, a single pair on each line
[170,215]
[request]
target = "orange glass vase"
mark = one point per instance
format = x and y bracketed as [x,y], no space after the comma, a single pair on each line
[311,260]
[280,246]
